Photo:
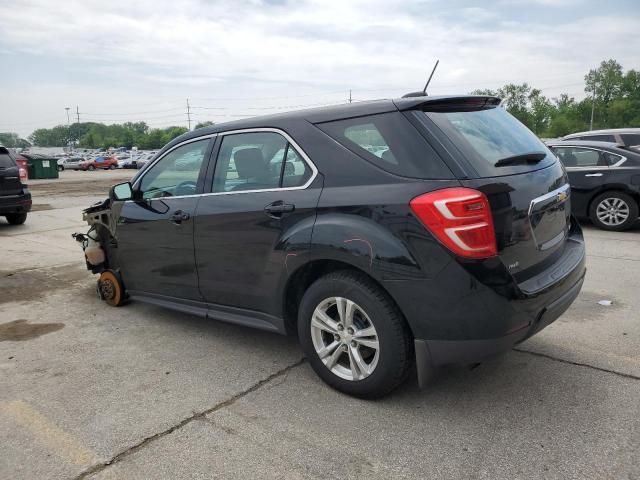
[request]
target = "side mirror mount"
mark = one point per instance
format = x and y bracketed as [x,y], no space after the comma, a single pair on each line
[121,191]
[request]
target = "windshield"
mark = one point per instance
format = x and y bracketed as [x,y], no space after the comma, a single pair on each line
[487,136]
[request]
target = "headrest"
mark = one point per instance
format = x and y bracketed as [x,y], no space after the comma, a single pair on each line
[249,162]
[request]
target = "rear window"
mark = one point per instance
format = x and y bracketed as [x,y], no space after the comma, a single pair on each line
[487,136]
[5,160]
[390,142]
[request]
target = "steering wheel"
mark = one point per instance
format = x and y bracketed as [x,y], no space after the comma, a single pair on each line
[185,188]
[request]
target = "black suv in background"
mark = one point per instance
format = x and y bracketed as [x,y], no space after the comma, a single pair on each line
[427,229]
[15,199]
[605,181]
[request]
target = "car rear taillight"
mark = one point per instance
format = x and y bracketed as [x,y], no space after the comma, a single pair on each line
[460,218]
[22,168]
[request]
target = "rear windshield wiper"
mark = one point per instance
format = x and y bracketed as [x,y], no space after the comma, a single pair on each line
[523,158]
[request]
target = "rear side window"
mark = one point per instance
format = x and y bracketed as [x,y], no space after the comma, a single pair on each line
[488,136]
[631,139]
[575,157]
[599,138]
[390,142]
[258,161]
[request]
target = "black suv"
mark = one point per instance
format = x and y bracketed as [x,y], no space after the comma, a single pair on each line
[605,181]
[427,229]
[15,199]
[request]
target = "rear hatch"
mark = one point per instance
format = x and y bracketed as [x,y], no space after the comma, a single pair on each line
[525,184]
[9,174]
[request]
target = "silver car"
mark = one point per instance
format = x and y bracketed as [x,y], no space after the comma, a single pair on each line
[626,137]
[72,163]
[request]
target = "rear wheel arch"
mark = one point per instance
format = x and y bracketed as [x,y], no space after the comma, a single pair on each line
[302,278]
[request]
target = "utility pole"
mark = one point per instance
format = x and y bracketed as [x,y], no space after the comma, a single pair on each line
[189,113]
[68,126]
[350,99]
[78,113]
[593,105]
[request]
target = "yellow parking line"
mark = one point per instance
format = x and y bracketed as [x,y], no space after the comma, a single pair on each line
[57,440]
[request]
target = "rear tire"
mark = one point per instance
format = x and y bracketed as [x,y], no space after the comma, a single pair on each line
[60,168]
[16,218]
[615,211]
[367,349]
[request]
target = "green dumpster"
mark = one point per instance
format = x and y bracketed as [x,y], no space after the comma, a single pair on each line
[41,166]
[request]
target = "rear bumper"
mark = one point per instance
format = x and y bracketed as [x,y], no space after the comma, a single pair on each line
[442,352]
[474,310]
[15,203]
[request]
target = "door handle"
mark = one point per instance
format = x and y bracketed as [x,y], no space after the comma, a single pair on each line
[179,216]
[276,209]
[593,175]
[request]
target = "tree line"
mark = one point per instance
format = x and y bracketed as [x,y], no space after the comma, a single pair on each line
[612,94]
[613,97]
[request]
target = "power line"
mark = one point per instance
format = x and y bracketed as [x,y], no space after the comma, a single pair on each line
[134,113]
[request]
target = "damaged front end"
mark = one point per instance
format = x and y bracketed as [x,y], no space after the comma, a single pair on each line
[100,237]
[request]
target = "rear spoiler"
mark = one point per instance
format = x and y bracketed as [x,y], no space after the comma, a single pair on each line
[458,103]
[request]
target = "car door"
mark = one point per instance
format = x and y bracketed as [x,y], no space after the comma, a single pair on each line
[588,170]
[264,191]
[155,229]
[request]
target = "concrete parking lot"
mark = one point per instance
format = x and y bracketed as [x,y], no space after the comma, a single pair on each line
[90,391]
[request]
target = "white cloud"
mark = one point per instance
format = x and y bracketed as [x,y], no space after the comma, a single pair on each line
[122,53]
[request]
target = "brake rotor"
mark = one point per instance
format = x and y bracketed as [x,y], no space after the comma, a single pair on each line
[110,288]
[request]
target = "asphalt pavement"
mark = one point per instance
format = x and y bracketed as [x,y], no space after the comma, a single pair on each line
[138,392]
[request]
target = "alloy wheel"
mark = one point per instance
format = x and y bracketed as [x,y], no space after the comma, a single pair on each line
[345,339]
[612,211]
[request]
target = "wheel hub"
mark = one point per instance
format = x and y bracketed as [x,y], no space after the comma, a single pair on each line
[612,211]
[344,338]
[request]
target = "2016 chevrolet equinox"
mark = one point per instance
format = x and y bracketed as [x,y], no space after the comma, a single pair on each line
[427,229]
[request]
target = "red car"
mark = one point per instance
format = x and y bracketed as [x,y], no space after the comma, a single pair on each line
[106,163]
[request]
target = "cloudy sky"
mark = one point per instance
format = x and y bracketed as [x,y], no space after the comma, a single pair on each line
[128,60]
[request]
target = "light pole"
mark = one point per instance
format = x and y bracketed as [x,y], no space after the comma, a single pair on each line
[68,126]
[593,106]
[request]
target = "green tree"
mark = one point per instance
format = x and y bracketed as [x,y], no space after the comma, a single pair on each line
[204,124]
[13,140]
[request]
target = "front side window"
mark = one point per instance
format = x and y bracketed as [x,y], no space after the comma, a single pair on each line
[176,173]
[574,157]
[258,161]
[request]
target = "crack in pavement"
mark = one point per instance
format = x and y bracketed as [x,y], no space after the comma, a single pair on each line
[579,364]
[196,416]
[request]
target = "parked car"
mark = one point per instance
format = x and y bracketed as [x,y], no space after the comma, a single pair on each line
[105,163]
[453,245]
[71,163]
[126,161]
[143,159]
[627,137]
[15,199]
[605,181]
